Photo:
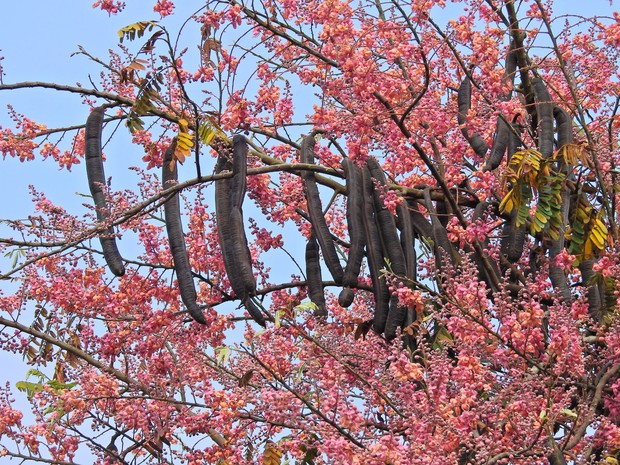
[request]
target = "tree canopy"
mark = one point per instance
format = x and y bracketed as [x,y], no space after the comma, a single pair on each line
[358,232]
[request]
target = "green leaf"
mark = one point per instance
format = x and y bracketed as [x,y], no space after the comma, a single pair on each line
[278,317]
[569,413]
[222,354]
[29,388]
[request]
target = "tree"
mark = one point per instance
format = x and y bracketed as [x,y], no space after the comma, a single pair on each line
[457,182]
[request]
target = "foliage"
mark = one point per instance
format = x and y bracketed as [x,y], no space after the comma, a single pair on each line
[497,357]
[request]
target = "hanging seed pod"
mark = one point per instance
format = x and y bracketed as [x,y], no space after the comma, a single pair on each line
[503,130]
[483,273]
[240,170]
[231,231]
[476,142]
[500,144]
[595,302]
[315,212]
[513,239]
[176,240]
[238,243]
[564,126]
[407,240]
[96,181]
[314,276]
[420,224]
[514,143]
[510,68]
[440,235]
[386,222]
[255,312]
[374,254]
[391,247]
[544,111]
[355,224]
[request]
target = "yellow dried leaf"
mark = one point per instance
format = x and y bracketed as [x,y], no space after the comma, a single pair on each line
[272,455]
[508,203]
[183,125]
[597,239]
[587,248]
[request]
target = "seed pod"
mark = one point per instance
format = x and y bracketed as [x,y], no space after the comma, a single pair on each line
[254,312]
[511,67]
[386,222]
[558,277]
[315,211]
[564,126]
[346,297]
[238,242]
[503,131]
[96,181]
[231,231]
[500,143]
[544,110]
[355,225]
[391,248]
[239,169]
[407,240]
[421,226]
[174,228]
[595,302]
[515,140]
[440,235]
[374,253]
[463,99]
[513,239]
[314,276]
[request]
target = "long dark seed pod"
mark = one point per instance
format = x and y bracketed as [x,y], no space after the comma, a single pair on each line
[515,141]
[564,126]
[374,254]
[174,228]
[500,143]
[238,243]
[96,181]
[595,301]
[407,240]
[355,225]
[513,239]
[231,232]
[483,272]
[391,247]
[239,169]
[510,68]
[315,211]
[463,99]
[557,275]
[544,110]
[440,235]
[565,136]
[503,131]
[254,312]
[314,276]
[421,225]
[386,222]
